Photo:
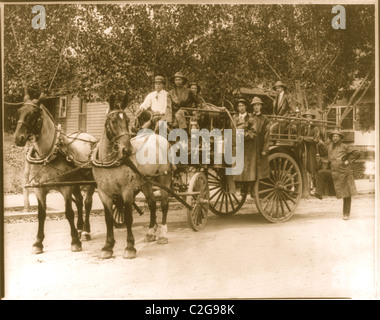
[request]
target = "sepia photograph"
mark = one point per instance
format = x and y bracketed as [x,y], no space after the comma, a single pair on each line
[206,150]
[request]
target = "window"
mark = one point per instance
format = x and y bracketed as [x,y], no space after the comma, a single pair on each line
[348,121]
[82,115]
[62,107]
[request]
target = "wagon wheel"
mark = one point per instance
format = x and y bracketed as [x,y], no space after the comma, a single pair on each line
[118,212]
[223,202]
[197,216]
[118,217]
[277,197]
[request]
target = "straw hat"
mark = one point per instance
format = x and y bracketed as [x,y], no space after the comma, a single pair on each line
[279,83]
[159,79]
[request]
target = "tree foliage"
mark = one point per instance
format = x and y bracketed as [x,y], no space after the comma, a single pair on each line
[106,48]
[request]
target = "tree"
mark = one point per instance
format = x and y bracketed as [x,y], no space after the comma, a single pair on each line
[110,48]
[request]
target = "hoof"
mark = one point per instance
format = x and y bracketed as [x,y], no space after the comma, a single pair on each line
[150,237]
[37,250]
[162,240]
[85,236]
[129,254]
[106,254]
[76,247]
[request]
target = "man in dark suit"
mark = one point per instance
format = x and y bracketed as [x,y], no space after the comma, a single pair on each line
[282,105]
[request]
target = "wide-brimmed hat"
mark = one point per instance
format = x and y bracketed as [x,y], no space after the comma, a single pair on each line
[279,83]
[159,79]
[308,113]
[179,74]
[256,100]
[195,84]
[336,131]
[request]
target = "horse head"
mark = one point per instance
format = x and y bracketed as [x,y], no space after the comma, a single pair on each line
[117,129]
[30,118]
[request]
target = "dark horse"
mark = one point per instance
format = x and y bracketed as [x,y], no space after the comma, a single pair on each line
[114,169]
[55,158]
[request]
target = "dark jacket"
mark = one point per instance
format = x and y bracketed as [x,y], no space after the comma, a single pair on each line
[342,176]
[249,126]
[283,107]
[261,145]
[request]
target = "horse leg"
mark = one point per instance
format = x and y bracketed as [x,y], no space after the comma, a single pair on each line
[146,189]
[88,205]
[41,199]
[78,199]
[107,201]
[76,245]
[162,235]
[130,250]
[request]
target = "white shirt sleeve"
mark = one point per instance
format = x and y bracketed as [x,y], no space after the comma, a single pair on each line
[147,102]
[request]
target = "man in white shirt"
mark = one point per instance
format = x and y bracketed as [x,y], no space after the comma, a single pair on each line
[155,106]
[156,100]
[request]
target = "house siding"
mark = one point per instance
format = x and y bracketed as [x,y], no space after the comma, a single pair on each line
[72,115]
[96,117]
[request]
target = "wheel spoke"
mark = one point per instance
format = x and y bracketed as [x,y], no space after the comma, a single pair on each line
[289,197]
[221,204]
[290,178]
[232,203]
[275,169]
[220,190]
[266,183]
[267,196]
[217,200]
[265,190]
[289,209]
[291,184]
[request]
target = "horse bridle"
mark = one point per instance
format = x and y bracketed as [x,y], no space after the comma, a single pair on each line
[123,133]
[34,130]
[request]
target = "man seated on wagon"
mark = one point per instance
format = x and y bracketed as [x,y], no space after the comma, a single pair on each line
[181,97]
[154,107]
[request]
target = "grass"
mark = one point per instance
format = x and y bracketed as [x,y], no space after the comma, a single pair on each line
[14,161]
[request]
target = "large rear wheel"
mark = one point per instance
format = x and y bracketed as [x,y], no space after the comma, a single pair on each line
[277,197]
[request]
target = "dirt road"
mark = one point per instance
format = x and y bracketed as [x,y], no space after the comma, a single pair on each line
[315,254]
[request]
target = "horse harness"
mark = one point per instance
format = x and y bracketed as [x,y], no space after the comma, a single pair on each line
[56,147]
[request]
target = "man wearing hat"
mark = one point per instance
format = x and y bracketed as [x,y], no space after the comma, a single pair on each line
[156,100]
[156,103]
[243,120]
[340,157]
[261,143]
[282,104]
[311,137]
[181,97]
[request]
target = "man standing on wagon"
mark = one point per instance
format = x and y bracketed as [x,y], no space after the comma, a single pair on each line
[340,157]
[282,105]
[261,143]
[244,120]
